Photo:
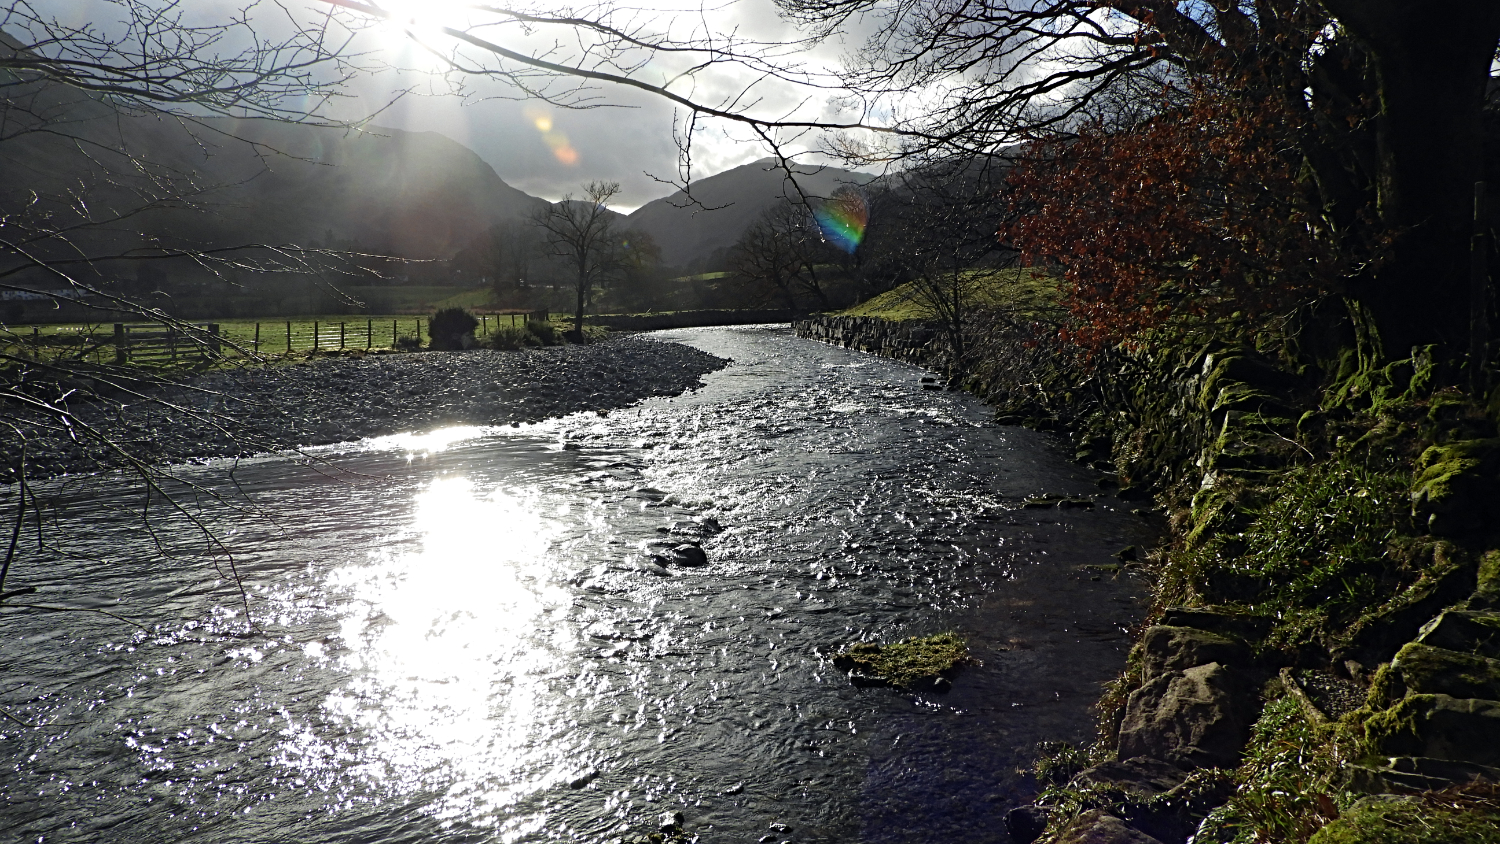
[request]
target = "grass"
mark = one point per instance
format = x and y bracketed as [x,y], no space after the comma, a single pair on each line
[1011,288]
[1287,786]
[906,663]
[418,298]
[276,335]
[1315,556]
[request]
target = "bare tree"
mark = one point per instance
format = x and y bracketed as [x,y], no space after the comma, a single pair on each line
[582,233]
[507,255]
[781,252]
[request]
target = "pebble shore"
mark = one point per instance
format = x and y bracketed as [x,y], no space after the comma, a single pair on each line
[336,399]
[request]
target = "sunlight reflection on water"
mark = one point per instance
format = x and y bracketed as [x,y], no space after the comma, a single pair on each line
[429,442]
[450,648]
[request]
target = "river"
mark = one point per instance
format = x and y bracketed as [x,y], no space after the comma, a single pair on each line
[459,635]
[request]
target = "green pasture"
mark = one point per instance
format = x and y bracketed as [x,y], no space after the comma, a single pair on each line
[1022,288]
[242,337]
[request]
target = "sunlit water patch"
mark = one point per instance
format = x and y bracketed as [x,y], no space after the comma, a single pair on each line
[469,635]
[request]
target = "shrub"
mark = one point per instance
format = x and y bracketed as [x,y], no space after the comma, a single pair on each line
[451,328]
[408,344]
[508,338]
[545,332]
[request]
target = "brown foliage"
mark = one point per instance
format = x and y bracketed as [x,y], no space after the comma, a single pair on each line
[1193,219]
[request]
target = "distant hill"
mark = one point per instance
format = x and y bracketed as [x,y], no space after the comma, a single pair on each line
[413,194]
[226,182]
[687,232]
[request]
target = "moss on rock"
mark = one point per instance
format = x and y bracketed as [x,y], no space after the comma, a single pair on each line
[909,664]
[1414,821]
[1428,670]
[1453,486]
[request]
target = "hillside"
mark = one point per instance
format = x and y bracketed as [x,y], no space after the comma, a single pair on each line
[224,182]
[688,232]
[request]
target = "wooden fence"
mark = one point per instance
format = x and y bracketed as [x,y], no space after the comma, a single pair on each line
[156,342]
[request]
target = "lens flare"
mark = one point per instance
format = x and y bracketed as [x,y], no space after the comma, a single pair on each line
[842,220]
[562,148]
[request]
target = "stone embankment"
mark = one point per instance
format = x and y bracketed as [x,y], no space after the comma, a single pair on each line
[334,399]
[912,342]
[693,319]
[1408,691]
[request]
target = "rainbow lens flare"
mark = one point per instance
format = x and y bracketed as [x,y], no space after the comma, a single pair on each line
[842,220]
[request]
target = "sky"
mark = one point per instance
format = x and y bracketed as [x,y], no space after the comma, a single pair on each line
[549,151]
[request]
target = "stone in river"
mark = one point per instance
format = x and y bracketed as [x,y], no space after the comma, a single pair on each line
[689,553]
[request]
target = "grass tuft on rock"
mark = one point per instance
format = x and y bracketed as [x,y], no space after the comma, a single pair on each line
[907,664]
[1315,555]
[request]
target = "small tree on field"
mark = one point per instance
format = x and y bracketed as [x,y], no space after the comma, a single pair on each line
[582,233]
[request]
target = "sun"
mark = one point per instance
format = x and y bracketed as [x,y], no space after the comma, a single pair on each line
[424,18]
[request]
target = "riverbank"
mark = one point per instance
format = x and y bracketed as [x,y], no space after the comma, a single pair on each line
[1321,658]
[334,398]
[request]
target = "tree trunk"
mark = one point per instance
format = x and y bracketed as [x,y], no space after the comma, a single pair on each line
[583,282]
[1432,66]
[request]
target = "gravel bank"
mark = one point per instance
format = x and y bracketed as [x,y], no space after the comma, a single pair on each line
[252,411]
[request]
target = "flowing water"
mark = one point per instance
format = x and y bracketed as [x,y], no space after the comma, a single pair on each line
[461,636]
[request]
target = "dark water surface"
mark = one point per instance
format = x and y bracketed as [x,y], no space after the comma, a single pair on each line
[460,637]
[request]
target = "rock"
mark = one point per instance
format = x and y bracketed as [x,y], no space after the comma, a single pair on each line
[1416,773]
[688,554]
[670,821]
[1465,632]
[1445,580]
[1199,716]
[1168,649]
[1455,490]
[1487,587]
[1026,824]
[1440,727]
[1225,622]
[1096,827]
[1423,669]
[1139,777]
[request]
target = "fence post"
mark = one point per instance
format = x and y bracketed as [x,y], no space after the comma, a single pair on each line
[341,336]
[213,338]
[369,333]
[121,353]
[315,335]
[393,334]
[256,347]
[484,324]
[288,335]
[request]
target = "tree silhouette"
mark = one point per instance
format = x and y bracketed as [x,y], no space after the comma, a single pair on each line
[582,233]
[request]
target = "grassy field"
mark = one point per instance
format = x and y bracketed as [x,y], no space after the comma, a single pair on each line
[1014,288]
[322,332]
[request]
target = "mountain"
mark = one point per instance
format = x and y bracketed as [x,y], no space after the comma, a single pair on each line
[70,157]
[412,194]
[727,204]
